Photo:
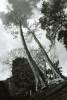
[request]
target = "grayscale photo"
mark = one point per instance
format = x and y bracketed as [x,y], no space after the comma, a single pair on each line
[33,49]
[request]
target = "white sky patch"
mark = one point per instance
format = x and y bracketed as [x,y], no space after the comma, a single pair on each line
[6,41]
[62,55]
[3,6]
[39,4]
[5,71]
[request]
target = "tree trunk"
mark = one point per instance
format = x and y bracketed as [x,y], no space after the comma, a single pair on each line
[37,72]
[47,59]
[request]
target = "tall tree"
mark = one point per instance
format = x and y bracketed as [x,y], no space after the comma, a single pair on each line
[36,70]
[47,59]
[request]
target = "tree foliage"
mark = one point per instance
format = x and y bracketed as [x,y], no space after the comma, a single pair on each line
[53,17]
[62,36]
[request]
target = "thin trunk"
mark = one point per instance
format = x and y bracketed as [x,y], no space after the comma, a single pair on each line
[37,72]
[47,59]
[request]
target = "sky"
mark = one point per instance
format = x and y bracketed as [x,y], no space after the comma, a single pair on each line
[7,42]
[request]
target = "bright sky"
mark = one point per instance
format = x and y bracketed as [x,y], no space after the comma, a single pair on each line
[7,43]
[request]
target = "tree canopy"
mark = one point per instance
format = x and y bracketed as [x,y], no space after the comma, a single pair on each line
[54,17]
